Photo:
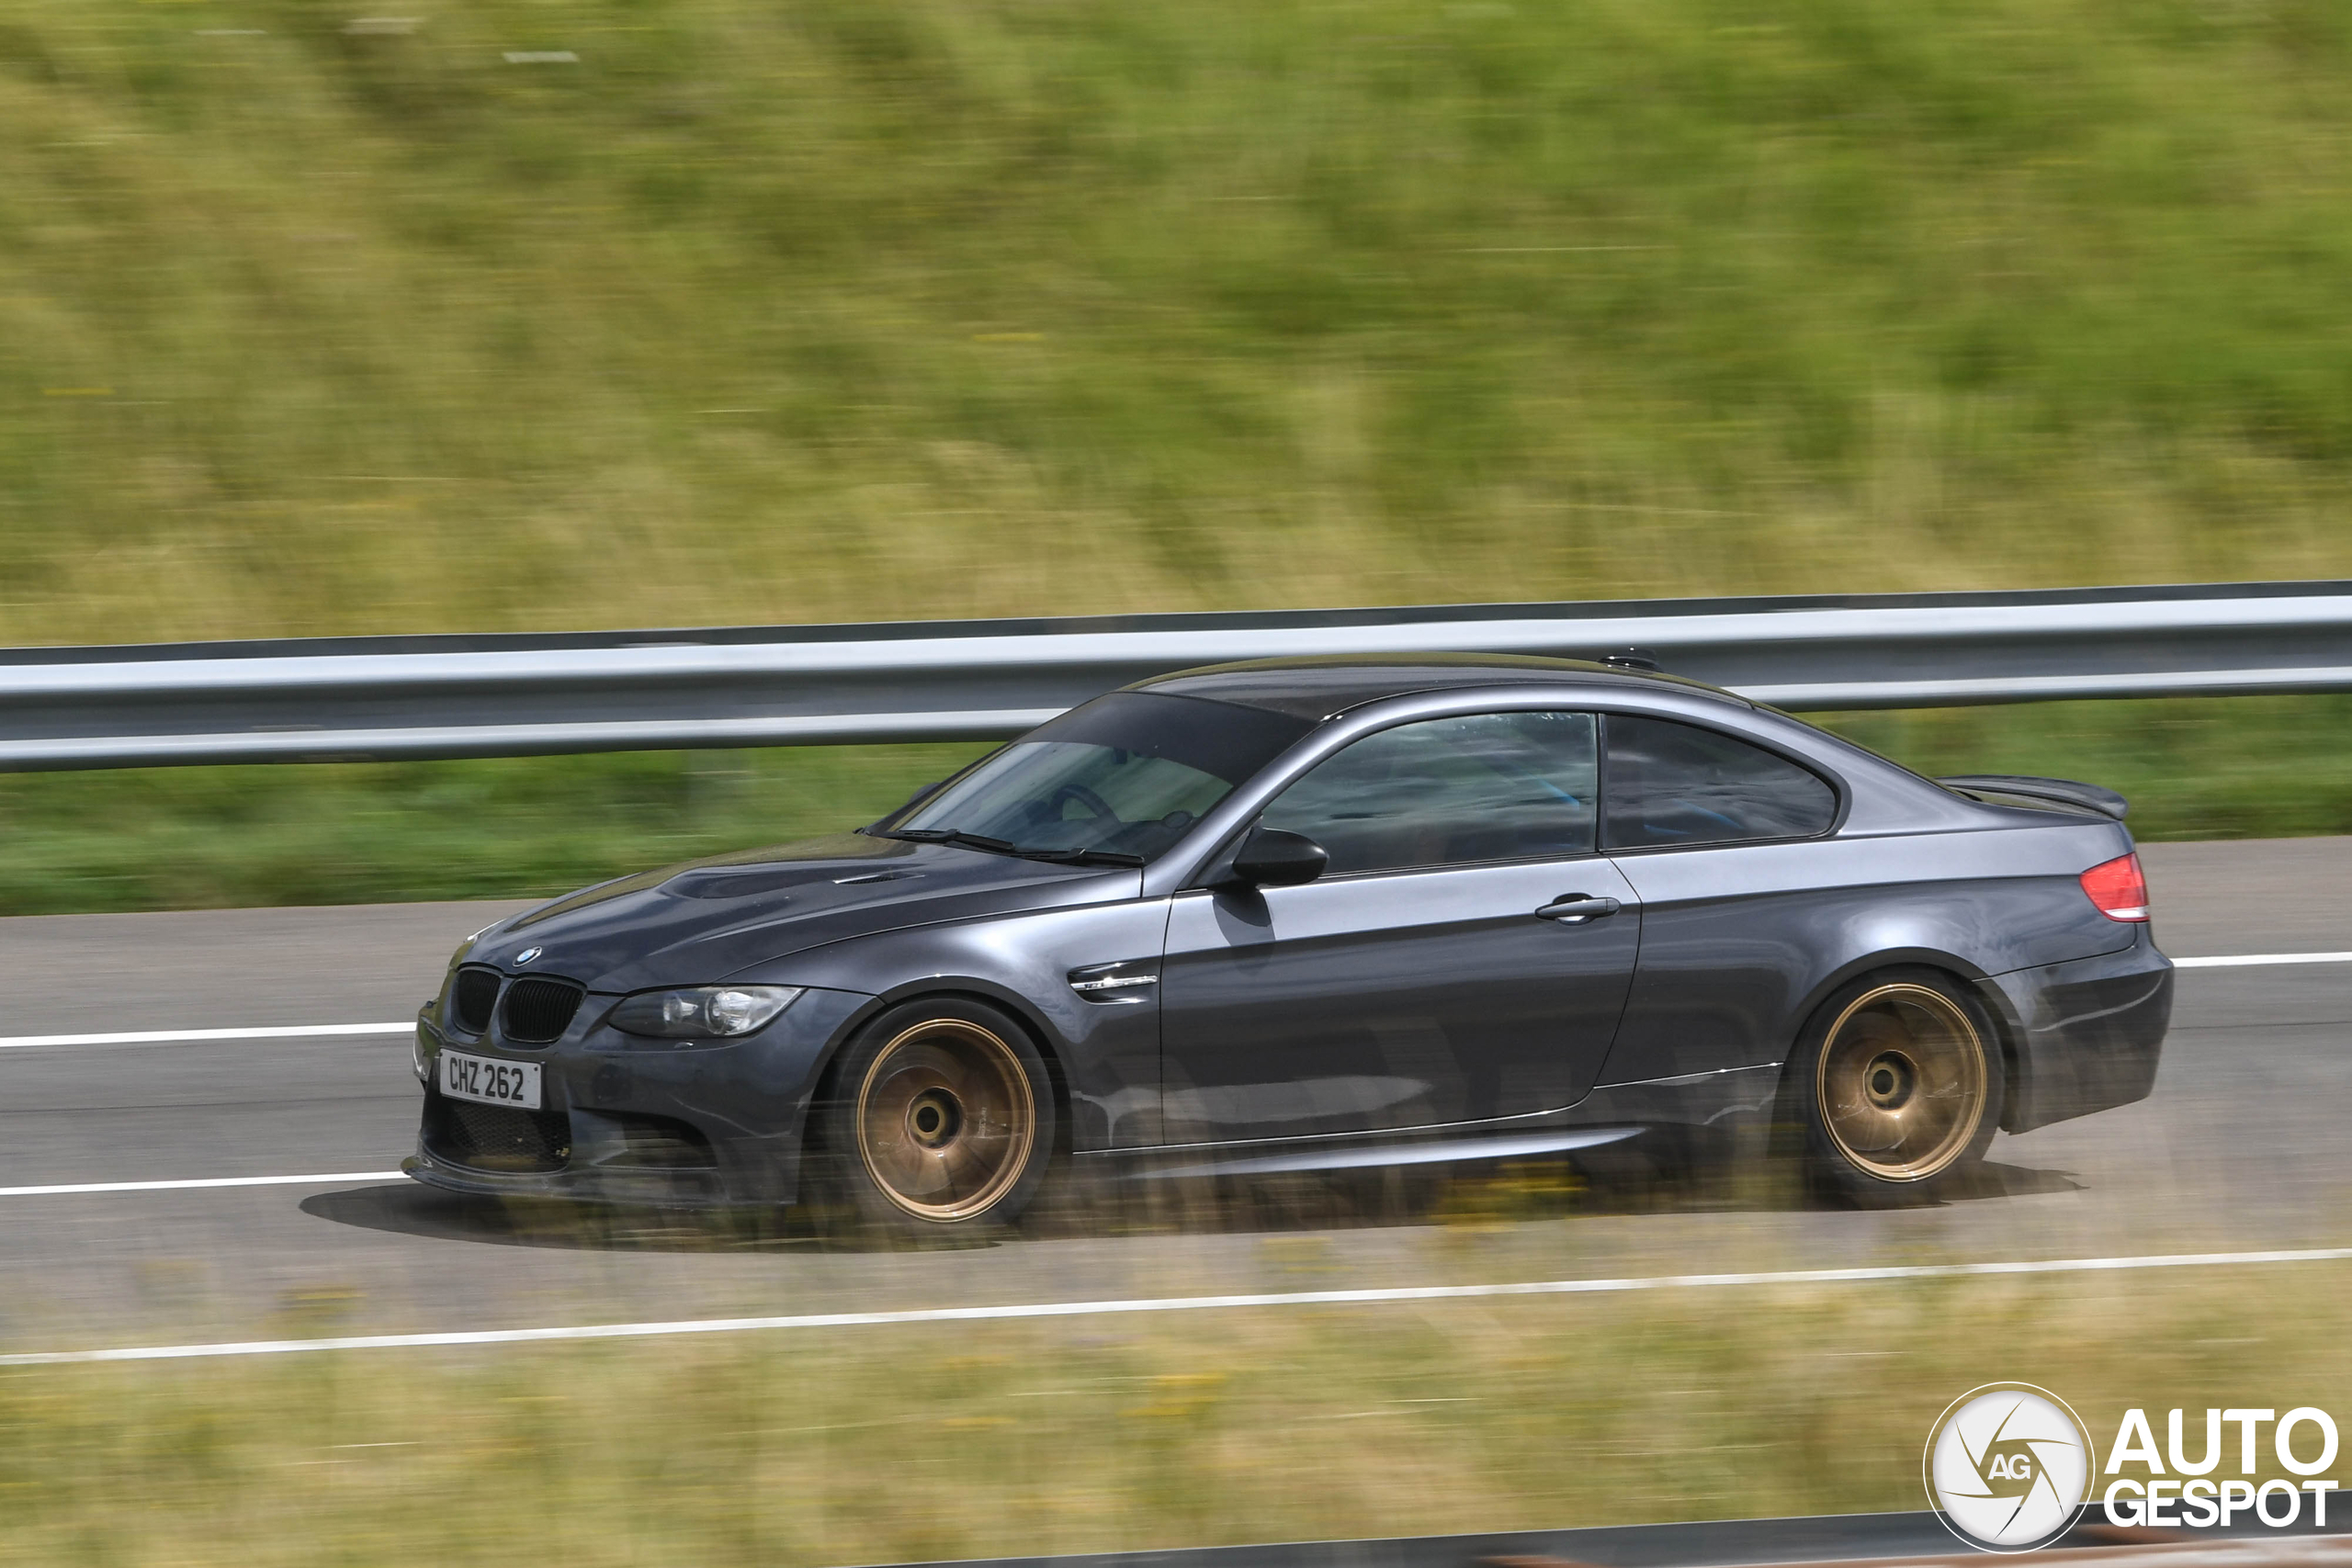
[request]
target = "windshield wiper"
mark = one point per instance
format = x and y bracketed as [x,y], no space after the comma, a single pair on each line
[1082,857]
[955,836]
[962,839]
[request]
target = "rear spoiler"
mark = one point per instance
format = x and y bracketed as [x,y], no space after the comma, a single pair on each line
[2056,792]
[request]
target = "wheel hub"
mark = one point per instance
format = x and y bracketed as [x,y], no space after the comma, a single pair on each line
[933,1118]
[1890,1079]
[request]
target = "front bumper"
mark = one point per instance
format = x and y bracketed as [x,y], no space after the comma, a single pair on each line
[623,1121]
[2088,1033]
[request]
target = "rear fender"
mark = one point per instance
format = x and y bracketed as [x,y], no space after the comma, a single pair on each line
[2008,1030]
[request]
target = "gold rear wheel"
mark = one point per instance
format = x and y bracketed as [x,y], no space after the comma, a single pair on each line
[1902,1083]
[946,1118]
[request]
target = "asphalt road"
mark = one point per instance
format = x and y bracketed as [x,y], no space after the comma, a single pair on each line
[2240,1146]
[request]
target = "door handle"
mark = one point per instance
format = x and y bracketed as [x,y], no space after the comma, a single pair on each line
[1575,909]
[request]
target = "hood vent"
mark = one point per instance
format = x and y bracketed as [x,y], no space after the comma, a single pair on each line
[745,882]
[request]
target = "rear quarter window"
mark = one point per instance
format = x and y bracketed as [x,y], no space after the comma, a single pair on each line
[1666,785]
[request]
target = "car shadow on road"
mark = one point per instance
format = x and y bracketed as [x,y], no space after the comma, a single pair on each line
[1994,1179]
[1725,1187]
[1530,1191]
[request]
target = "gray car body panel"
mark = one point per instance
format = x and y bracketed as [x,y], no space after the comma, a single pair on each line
[1679,1008]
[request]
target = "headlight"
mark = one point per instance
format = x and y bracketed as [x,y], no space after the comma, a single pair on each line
[420,1055]
[706,1012]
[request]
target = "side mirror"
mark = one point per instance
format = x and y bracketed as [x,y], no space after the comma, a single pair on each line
[1271,858]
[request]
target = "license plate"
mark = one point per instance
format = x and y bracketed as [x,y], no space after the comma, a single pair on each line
[490,1082]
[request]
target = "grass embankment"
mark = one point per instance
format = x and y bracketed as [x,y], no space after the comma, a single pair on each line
[517,314]
[193,838]
[906,308]
[894,1444]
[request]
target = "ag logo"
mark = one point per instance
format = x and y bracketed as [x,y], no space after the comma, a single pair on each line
[2007,1467]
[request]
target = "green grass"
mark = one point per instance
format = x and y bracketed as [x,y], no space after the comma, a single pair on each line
[898,1444]
[870,308]
[342,833]
[193,838]
[846,309]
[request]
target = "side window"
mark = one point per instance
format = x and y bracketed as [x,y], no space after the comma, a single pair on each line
[1450,791]
[1675,783]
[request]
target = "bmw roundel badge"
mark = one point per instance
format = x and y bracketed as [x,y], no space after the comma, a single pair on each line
[528,954]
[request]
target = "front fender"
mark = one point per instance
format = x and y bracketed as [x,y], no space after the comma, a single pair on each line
[1106,1053]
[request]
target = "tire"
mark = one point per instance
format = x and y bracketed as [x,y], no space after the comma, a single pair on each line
[939,1119]
[1898,1084]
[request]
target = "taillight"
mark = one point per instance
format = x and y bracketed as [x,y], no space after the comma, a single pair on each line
[2118,888]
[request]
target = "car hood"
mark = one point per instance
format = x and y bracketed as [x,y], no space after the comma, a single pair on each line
[710,920]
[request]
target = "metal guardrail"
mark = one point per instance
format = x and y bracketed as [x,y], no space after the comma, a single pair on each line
[355,698]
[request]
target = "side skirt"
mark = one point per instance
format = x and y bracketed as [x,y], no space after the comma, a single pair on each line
[1610,1114]
[1361,1158]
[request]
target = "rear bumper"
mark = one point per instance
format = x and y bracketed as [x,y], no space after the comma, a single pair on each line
[2088,1033]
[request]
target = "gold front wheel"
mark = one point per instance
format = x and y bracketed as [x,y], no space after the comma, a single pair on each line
[1903,1082]
[947,1118]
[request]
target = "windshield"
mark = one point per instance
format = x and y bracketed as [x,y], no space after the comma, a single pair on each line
[1120,778]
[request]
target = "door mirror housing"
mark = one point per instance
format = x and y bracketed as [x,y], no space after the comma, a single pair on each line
[1269,857]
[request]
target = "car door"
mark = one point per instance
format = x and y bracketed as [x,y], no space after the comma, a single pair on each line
[1725,839]
[1415,983]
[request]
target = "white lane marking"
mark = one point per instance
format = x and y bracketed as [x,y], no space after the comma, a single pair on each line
[72,1187]
[192,1036]
[321,1031]
[1169,1303]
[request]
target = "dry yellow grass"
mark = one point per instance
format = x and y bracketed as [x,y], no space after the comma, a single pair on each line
[906,1443]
